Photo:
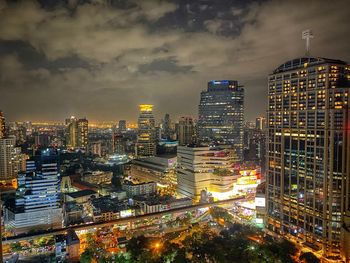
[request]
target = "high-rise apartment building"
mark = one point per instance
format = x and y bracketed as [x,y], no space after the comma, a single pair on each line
[146,135]
[2,125]
[83,131]
[71,132]
[260,123]
[166,127]
[119,143]
[37,203]
[122,126]
[308,173]
[255,147]
[11,159]
[221,114]
[204,168]
[77,132]
[185,131]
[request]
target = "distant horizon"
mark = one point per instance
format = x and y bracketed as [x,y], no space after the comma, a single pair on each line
[102,122]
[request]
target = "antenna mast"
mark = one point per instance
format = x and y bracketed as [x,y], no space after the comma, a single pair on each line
[307,35]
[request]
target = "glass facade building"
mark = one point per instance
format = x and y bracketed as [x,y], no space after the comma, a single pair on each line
[221,114]
[37,204]
[309,153]
[146,135]
[2,125]
[11,159]
[185,131]
[77,133]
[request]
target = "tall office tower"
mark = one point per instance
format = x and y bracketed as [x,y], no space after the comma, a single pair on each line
[204,168]
[118,143]
[43,139]
[255,148]
[185,131]
[37,203]
[2,125]
[77,132]
[10,159]
[122,126]
[72,132]
[308,173]
[166,126]
[29,127]
[221,114]
[260,123]
[21,134]
[83,131]
[146,135]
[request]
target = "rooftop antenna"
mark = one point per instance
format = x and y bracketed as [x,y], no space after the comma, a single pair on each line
[307,34]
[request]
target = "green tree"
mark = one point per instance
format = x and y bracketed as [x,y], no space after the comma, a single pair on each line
[16,247]
[137,246]
[86,256]
[309,257]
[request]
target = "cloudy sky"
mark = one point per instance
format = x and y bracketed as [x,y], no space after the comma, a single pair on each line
[101,58]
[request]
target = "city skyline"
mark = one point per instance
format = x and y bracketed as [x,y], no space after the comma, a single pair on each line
[174,131]
[162,53]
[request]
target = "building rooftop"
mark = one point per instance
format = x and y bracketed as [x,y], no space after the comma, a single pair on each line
[107,204]
[72,207]
[126,182]
[157,199]
[82,193]
[72,237]
[305,61]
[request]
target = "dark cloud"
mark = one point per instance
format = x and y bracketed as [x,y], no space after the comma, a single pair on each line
[164,65]
[100,59]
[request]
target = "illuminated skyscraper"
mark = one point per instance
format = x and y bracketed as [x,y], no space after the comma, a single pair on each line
[308,173]
[185,131]
[119,143]
[260,123]
[83,131]
[77,132]
[72,132]
[11,159]
[146,136]
[2,125]
[166,127]
[37,197]
[122,126]
[221,114]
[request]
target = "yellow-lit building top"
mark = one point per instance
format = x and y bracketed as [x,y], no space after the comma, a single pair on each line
[146,107]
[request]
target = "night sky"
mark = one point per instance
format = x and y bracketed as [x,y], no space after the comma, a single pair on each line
[100,59]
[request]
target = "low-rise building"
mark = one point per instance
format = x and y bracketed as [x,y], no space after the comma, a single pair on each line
[155,203]
[60,248]
[72,213]
[113,191]
[205,168]
[73,246]
[134,189]
[160,169]
[106,208]
[81,196]
[97,177]
[67,247]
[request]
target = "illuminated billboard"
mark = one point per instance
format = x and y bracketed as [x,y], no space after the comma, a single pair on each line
[126,213]
[260,201]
